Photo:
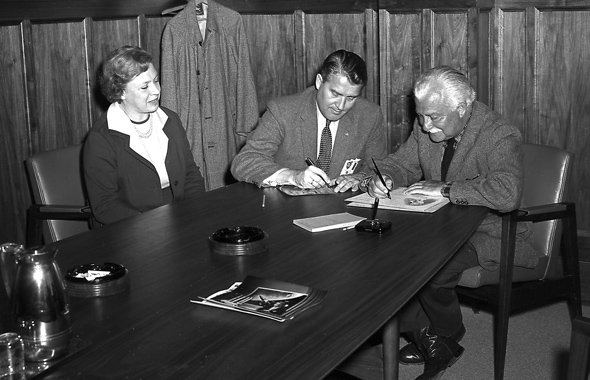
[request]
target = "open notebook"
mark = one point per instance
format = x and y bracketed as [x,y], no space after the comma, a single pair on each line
[401,201]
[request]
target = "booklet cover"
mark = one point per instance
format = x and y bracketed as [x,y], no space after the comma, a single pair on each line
[328,222]
[276,300]
[401,201]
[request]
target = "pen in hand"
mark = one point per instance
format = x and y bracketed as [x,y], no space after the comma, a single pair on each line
[310,162]
[380,177]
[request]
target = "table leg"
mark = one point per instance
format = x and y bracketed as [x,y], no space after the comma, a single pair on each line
[391,349]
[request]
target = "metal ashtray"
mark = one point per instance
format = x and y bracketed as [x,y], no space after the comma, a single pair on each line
[97,280]
[238,241]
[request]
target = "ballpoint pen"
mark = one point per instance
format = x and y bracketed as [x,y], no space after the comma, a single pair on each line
[310,162]
[380,177]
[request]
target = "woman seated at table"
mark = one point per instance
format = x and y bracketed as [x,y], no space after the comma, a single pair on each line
[136,156]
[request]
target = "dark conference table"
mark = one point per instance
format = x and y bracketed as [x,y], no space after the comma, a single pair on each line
[153,331]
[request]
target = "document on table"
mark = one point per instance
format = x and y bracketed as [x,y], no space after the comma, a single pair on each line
[328,222]
[401,201]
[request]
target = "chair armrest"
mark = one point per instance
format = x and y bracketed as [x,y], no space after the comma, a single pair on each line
[545,212]
[60,212]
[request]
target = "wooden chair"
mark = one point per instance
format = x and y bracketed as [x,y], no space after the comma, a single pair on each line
[512,289]
[59,207]
[579,349]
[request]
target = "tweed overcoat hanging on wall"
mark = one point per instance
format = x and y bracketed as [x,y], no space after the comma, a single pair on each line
[209,83]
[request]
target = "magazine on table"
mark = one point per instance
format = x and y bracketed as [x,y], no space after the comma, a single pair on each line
[276,300]
[401,201]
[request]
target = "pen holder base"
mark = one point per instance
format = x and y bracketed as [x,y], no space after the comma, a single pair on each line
[373,225]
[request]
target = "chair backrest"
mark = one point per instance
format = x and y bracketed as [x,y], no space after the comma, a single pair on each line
[546,175]
[56,179]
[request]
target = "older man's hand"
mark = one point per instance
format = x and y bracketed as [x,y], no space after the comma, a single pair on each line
[377,189]
[430,188]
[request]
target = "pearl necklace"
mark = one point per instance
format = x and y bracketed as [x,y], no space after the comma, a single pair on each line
[141,134]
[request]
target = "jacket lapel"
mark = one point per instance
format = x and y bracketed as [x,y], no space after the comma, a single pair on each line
[465,145]
[344,138]
[308,126]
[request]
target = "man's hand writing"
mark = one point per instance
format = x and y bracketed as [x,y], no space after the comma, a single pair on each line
[310,178]
[376,188]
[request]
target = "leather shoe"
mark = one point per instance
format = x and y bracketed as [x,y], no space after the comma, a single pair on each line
[410,354]
[440,352]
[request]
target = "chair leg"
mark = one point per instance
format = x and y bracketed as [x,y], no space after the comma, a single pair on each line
[571,260]
[500,343]
[579,351]
[391,349]
[505,292]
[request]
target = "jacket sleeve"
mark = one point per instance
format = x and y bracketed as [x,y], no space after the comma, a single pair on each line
[247,101]
[375,146]
[100,173]
[403,166]
[168,80]
[194,183]
[256,162]
[499,185]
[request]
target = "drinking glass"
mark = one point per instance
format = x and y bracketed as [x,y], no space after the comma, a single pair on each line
[12,357]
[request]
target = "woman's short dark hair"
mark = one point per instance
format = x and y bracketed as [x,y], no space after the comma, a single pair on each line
[120,67]
[345,63]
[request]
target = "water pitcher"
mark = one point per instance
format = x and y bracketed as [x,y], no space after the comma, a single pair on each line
[39,306]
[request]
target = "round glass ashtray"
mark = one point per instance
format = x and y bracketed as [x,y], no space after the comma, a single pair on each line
[97,280]
[238,241]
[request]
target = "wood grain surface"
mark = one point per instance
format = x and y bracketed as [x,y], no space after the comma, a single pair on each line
[154,331]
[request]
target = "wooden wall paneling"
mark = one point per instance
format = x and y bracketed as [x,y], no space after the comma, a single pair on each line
[300,49]
[400,52]
[449,42]
[326,33]
[59,90]
[14,141]
[72,9]
[483,54]
[272,55]
[427,54]
[513,55]
[372,54]
[17,10]
[564,96]
[531,105]
[472,42]
[108,35]
[92,85]
[152,40]
[29,81]
[496,72]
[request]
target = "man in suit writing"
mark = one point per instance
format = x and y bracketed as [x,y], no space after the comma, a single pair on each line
[329,123]
[461,149]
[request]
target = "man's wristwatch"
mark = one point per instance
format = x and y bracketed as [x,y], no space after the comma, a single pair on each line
[446,190]
[364,185]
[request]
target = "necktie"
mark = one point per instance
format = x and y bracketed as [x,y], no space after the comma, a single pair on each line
[325,155]
[446,161]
